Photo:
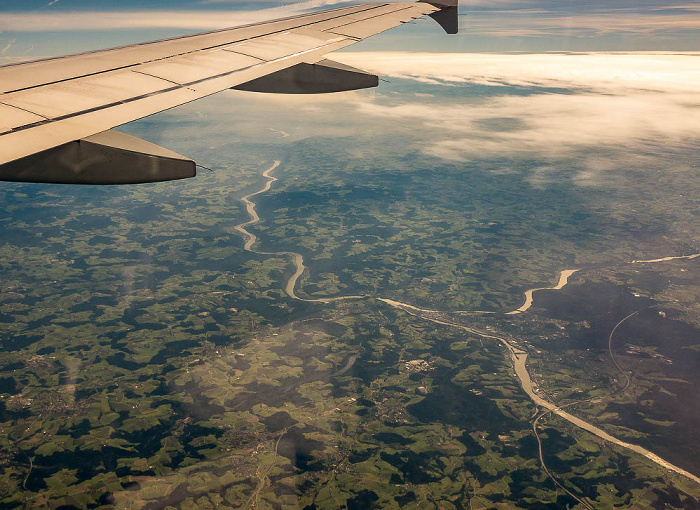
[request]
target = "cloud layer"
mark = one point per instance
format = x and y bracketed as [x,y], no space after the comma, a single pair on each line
[500,18]
[600,72]
[548,23]
[603,109]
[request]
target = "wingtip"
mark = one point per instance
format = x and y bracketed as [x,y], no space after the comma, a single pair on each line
[448,15]
[442,3]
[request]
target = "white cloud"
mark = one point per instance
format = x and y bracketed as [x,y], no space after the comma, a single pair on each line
[602,72]
[603,124]
[515,23]
[609,106]
[552,124]
[630,109]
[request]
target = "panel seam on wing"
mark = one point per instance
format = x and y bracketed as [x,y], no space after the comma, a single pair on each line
[24,110]
[158,77]
[371,17]
[152,94]
[228,43]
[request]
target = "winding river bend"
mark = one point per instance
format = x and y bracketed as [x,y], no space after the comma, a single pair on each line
[297,258]
[518,355]
[563,280]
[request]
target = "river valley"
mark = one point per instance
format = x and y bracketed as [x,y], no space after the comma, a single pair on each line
[517,354]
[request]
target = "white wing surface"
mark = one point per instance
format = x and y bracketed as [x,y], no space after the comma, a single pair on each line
[55,114]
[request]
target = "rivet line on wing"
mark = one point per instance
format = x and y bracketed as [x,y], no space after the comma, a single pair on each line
[90,110]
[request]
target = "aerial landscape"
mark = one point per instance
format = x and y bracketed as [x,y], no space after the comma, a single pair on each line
[473,287]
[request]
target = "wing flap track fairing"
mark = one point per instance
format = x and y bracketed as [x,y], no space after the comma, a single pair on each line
[109,157]
[320,78]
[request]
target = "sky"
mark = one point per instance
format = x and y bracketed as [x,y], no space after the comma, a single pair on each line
[594,119]
[36,28]
[595,85]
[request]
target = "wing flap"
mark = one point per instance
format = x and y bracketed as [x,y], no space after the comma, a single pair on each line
[51,133]
[79,95]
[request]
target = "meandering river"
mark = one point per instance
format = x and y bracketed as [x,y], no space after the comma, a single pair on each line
[297,258]
[563,280]
[518,355]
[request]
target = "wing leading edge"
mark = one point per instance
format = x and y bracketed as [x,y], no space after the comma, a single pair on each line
[56,115]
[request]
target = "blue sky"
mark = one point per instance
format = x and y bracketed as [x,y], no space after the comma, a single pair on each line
[110,5]
[35,28]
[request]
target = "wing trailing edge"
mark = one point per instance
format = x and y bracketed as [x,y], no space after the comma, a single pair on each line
[448,15]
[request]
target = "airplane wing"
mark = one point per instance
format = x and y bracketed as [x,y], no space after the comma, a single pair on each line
[57,115]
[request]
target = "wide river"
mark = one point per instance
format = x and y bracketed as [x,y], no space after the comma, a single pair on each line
[518,355]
